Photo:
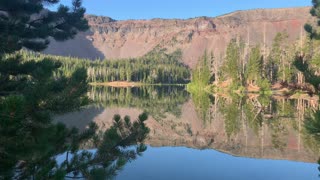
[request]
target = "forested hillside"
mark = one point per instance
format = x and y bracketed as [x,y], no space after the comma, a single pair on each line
[156,67]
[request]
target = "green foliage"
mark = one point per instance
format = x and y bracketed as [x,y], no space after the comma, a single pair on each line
[264,99]
[201,77]
[278,131]
[254,66]
[313,32]
[34,80]
[231,112]
[201,74]
[29,94]
[156,67]
[311,131]
[32,89]
[265,86]
[25,24]
[242,69]
[41,141]
[231,64]
[155,100]
[309,62]
[285,109]
[309,74]
[253,116]
[312,125]
[315,62]
[202,101]
[278,59]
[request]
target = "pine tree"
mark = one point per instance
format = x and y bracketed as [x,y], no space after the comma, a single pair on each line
[308,62]
[254,66]
[25,23]
[201,75]
[30,94]
[231,66]
[313,33]
[277,59]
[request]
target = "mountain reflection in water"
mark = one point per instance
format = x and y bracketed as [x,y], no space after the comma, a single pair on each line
[252,126]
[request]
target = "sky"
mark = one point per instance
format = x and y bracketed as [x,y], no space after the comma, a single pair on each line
[182,9]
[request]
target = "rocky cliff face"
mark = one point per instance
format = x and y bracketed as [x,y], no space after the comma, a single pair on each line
[112,39]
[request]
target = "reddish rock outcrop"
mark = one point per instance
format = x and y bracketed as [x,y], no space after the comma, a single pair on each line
[112,39]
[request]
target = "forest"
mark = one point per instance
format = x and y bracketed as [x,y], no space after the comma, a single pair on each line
[34,87]
[156,67]
[282,67]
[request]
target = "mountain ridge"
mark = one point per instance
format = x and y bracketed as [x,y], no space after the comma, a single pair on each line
[112,39]
[196,17]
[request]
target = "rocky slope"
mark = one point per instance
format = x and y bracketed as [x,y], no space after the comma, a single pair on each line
[112,39]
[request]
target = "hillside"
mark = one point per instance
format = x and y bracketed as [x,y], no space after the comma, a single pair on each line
[112,39]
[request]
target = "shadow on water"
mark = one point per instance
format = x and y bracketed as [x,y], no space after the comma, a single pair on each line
[79,119]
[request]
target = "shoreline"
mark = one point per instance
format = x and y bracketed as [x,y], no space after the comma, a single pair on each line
[117,84]
[129,84]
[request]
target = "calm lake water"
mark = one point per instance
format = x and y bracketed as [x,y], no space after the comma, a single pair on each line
[199,136]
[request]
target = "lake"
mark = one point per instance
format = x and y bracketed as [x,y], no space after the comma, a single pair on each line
[201,136]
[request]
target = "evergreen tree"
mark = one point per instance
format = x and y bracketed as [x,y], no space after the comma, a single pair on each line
[31,154]
[315,11]
[201,75]
[254,66]
[30,94]
[231,67]
[308,72]
[277,59]
[308,61]
[27,23]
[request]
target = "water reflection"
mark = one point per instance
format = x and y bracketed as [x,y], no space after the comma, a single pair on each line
[251,126]
[189,164]
[121,143]
[156,100]
[312,127]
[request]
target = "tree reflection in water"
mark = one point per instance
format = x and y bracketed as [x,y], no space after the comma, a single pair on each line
[155,100]
[271,119]
[312,126]
[114,150]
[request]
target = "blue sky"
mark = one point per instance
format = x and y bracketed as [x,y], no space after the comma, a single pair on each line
[147,9]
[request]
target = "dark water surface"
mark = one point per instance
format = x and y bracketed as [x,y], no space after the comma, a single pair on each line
[261,137]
